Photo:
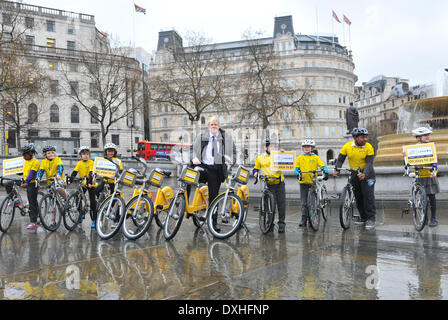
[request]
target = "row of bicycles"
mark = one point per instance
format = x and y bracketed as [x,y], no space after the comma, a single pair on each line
[224,216]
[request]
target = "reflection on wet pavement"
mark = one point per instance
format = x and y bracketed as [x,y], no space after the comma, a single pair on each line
[391,262]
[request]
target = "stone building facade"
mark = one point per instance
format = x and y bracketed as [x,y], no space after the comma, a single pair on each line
[55,40]
[323,67]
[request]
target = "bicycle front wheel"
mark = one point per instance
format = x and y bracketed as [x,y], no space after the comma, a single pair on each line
[419,207]
[324,203]
[50,212]
[221,221]
[346,208]
[313,209]
[73,211]
[109,221]
[138,217]
[174,217]
[7,210]
[266,218]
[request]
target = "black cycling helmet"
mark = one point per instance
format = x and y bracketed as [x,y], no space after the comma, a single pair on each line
[48,148]
[360,132]
[29,148]
[267,142]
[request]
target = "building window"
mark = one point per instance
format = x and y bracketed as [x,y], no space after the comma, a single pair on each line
[52,65]
[93,90]
[55,134]
[11,139]
[33,133]
[116,139]
[7,19]
[32,113]
[74,114]
[71,45]
[74,86]
[29,22]
[71,29]
[51,43]
[76,135]
[73,67]
[94,115]
[54,87]
[51,26]
[29,42]
[327,131]
[94,139]
[54,113]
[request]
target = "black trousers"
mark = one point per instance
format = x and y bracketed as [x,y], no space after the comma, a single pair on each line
[31,192]
[278,190]
[365,197]
[92,197]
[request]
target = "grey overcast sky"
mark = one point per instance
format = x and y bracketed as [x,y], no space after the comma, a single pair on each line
[408,39]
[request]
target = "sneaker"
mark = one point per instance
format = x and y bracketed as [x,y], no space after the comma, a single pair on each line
[359,221]
[32,226]
[433,223]
[370,224]
[281,228]
[93,226]
[303,223]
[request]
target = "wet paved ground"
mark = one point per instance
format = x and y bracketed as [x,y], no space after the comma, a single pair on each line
[392,262]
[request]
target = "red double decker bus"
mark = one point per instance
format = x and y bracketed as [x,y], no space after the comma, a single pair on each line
[161,150]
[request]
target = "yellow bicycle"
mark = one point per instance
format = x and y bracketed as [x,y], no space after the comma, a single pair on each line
[180,206]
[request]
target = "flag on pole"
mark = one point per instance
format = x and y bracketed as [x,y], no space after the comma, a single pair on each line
[104,34]
[347,20]
[140,9]
[335,16]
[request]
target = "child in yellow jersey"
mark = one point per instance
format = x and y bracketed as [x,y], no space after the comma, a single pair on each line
[110,151]
[428,178]
[276,181]
[308,161]
[85,169]
[30,168]
[52,167]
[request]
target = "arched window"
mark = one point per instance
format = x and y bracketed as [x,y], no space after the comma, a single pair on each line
[54,113]
[74,114]
[94,115]
[32,113]
[330,155]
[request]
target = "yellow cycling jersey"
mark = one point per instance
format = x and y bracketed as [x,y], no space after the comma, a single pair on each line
[308,162]
[29,165]
[357,155]
[83,168]
[51,168]
[121,168]
[263,163]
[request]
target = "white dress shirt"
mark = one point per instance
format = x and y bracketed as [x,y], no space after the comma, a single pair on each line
[209,159]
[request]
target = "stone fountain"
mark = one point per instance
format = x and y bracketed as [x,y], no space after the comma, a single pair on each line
[430,112]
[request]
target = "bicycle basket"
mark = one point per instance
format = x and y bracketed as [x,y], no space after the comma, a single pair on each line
[189,176]
[242,174]
[128,178]
[155,178]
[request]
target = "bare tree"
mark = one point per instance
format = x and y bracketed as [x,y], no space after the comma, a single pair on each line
[192,78]
[27,84]
[266,91]
[113,79]
[12,41]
